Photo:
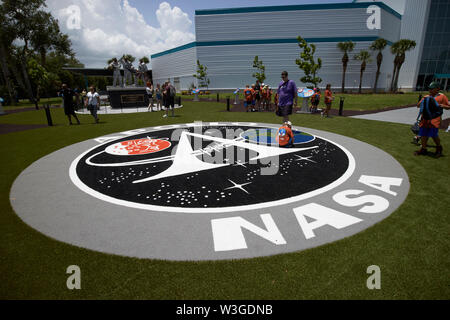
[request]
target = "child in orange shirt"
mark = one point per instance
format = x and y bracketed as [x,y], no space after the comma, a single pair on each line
[285,137]
[248,96]
[328,100]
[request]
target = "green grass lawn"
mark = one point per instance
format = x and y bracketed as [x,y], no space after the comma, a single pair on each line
[27,104]
[358,102]
[411,246]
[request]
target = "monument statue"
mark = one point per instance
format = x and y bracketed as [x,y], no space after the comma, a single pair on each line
[142,71]
[116,65]
[128,71]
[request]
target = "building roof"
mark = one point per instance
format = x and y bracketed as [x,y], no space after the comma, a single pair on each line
[332,6]
[321,6]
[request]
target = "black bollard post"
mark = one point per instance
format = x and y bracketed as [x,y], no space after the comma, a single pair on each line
[341,106]
[217,97]
[49,116]
[179,101]
[228,103]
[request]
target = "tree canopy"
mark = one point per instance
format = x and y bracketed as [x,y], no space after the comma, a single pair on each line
[307,63]
[33,49]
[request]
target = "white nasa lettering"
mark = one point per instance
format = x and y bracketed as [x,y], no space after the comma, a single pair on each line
[381,183]
[379,204]
[228,235]
[323,216]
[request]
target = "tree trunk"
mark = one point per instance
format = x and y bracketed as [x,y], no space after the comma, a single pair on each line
[27,82]
[5,71]
[379,61]
[344,65]
[43,54]
[393,77]
[363,68]
[343,79]
[17,75]
[401,60]
[397,76]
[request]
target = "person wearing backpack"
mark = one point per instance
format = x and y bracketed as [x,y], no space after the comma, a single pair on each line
[285,137]
[171,93]
[248,95]
[431,110]
[315,100]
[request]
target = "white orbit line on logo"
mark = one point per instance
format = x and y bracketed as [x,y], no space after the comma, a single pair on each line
[148,207]
[185,162]
[273,144]
[149,161]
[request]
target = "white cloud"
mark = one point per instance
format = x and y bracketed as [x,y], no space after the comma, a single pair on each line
[114,27]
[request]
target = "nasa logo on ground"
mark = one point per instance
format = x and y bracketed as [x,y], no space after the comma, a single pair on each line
[206,191]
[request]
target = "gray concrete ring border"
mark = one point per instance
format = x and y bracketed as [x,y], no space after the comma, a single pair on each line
[46,199]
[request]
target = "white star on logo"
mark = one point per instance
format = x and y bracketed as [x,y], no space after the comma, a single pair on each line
[300,158]
[238,186]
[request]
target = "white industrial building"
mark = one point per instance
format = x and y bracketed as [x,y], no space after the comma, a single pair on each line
[227,40]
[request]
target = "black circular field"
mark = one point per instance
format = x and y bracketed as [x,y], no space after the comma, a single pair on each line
[222,174]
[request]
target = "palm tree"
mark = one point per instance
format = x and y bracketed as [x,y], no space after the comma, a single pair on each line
[363,56]
[129,57]
[345,47]
[378,45]
[399,49]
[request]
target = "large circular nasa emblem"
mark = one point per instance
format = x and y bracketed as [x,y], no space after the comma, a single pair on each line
[206,191]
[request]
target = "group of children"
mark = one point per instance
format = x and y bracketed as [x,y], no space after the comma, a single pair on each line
[259,98]
[315,100]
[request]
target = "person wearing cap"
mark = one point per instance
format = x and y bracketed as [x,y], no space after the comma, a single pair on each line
[287,97]
[285,137]
[431,108]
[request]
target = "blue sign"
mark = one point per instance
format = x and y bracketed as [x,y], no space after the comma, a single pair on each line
[195,91]
[1,100]
[237,91]
[305,92]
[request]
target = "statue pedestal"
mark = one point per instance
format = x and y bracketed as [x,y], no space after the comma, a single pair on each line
[236,99]
[305,106]
[127,97]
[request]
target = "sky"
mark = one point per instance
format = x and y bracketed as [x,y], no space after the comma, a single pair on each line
[102,29]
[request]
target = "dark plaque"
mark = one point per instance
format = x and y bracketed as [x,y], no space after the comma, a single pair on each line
[132,98]
[128,97]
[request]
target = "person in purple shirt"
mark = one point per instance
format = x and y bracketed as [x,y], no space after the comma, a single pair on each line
[287,97]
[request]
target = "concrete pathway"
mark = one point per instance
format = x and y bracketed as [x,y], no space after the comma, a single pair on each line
[405,116]
[109,110]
